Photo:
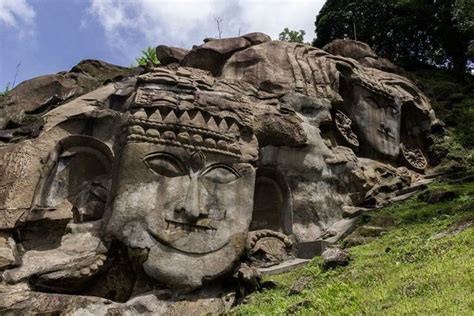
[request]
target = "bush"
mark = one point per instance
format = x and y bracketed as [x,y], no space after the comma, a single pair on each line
[148,57]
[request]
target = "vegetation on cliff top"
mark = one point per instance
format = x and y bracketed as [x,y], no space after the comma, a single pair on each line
[412,33]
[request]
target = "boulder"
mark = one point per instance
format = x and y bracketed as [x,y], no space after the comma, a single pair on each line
[104,72]
[212,55]
[362,53]
[335,257]
[350,48]
[8,251]
[437,196]
[256,38]
[380,63]
[39,95]
[42,93]
[19,299]
[299,285]
[249,277]
[168,54]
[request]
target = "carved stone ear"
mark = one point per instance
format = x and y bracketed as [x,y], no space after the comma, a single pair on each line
[76,176]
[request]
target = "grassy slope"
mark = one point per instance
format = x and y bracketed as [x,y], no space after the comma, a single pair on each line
[405,271]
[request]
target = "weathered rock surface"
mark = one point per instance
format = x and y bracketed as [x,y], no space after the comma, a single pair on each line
[362,53]
[26,102]
[144,195]
[168,54]
[350,48]
[8,251]
[214,53]
[335,257]
[299,285]
[79,256]
[104,72]
[40,94]
[437,196]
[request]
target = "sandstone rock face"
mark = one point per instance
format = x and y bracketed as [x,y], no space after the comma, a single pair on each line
[362,53]
[144,195]
[213,54]
[24,105]
[350,48]
[168,55]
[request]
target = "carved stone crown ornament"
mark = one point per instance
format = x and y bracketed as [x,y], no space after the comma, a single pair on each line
[164,112]
[194,129]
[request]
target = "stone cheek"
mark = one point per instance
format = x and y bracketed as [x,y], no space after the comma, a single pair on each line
[189,211]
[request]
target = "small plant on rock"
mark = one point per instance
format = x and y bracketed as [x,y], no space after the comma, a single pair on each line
[148,57]
[6,90]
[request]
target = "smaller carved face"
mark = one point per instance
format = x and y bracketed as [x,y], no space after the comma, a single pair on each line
[378,120]
[194,204]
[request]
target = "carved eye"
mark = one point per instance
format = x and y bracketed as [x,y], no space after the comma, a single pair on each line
[165,165]
[306,110]
[222,174]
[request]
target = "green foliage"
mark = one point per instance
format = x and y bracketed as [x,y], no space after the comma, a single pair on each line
[148,57]
[292,36]
[412,33]
[453,102]
[404,272]
[6,90]
[463,14]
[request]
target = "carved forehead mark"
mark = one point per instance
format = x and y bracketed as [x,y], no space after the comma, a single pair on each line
[198,160]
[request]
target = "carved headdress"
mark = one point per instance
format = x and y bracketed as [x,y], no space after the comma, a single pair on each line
[180,108]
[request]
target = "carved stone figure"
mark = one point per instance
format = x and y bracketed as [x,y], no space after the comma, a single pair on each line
[184,184]
[149,193]
[266,248]
[343,125]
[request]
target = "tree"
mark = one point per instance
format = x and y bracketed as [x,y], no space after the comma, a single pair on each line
[292,36]
[464,16]
[148,57]
[412,33]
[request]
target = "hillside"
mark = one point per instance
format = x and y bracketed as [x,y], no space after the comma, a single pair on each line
[422,263]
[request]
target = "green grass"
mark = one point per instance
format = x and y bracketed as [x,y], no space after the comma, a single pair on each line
[403,272]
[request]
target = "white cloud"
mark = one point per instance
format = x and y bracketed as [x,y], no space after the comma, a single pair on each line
[131,25]
[18,14]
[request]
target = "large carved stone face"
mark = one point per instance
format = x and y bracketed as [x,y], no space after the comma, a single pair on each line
[194,206]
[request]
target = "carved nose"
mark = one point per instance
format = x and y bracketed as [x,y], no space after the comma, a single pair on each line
[191,204]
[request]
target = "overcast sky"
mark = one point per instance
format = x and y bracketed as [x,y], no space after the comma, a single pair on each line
[47,36]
